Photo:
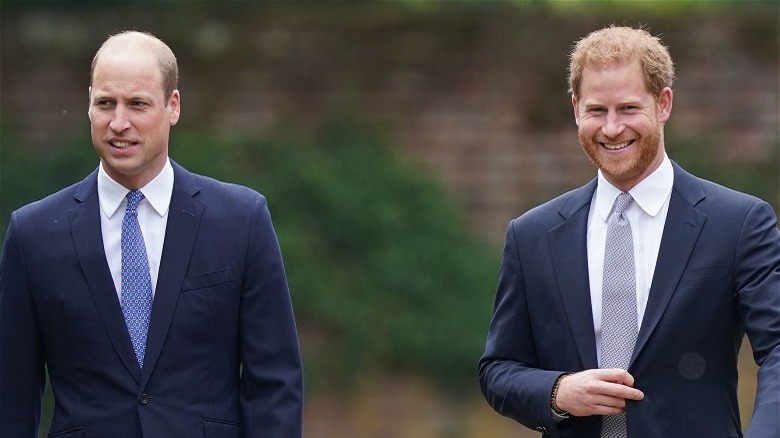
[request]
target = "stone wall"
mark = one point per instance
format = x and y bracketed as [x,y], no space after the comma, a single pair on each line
[474,92]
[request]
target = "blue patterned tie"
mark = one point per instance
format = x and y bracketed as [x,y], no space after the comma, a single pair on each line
[136,279]
[618,308]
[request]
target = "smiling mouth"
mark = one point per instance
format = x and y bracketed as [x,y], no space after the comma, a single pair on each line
[121,144]
[616,146]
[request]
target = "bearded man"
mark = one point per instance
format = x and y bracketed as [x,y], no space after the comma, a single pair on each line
[621,305]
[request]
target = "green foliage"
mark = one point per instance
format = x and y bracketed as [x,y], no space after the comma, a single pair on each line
[761,179]
[27,175]
[382,270]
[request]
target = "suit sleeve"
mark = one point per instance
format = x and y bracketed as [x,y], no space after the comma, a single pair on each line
[509,374]
[758,297]
[22,376]
[271,380]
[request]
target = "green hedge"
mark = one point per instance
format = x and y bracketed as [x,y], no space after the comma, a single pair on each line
[383,271]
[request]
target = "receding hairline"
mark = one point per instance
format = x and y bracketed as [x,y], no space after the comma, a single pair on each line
[146,41]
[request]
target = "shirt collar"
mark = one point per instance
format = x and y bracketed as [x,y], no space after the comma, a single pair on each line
[158,191]
[650,194]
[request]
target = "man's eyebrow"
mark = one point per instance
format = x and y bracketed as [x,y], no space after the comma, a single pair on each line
[630,101]
[109,96]
[141,96]
[100,96]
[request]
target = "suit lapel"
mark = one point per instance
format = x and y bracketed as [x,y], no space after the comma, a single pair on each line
[683,226]
[88,240]
[183,220]
[568,244]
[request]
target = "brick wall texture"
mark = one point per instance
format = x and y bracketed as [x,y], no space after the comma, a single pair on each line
[474,92]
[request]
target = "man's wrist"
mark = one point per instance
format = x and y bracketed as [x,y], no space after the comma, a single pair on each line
[559,413]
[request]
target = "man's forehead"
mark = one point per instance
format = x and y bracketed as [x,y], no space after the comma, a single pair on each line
[126,75]
[114,63]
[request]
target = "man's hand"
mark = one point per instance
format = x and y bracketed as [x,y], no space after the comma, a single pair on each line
[596,392]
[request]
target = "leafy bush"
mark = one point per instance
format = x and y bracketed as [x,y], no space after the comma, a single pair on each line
[383,271]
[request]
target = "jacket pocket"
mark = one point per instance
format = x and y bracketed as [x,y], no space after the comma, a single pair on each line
[221,429]
[203,281]
[76,432]
[706,272]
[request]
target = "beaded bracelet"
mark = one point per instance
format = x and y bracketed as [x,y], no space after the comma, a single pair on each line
[554,395]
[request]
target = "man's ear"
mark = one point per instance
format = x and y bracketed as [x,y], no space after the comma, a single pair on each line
[174,105]
[576,112]
[89,98]
[665,104]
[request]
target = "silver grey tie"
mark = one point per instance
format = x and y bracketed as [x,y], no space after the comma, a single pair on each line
[618,308]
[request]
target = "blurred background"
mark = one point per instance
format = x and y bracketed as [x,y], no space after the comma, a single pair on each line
[394,141]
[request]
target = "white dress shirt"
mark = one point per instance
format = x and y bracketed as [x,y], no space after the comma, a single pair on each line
[152,216]
[647,215]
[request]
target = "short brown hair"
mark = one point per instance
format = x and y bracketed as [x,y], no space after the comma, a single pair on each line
[621,45]
[165,57]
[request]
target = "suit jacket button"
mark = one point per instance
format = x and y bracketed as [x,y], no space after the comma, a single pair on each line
[143,399]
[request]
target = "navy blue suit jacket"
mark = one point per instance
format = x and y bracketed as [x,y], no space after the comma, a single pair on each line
[222,357]
[717,277]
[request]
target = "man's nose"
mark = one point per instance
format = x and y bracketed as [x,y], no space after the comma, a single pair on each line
[120,120]
[613,126]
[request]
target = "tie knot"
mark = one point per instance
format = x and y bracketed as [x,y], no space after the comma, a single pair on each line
[134,197]
[621,203]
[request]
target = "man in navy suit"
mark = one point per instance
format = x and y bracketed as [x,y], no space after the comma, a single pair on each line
[705,271]
[220,355]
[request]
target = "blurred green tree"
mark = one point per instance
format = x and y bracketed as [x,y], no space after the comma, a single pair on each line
[383,270]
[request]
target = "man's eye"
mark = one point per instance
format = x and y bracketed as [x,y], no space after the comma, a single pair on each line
[104,103]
